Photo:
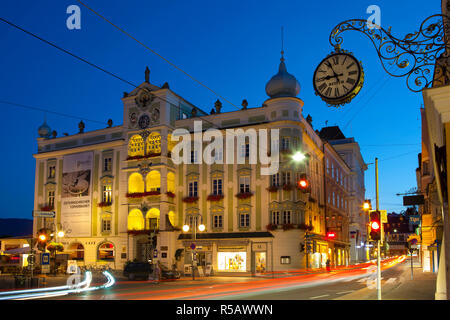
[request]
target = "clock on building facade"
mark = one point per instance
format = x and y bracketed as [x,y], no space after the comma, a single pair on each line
[338,78]
[144,121]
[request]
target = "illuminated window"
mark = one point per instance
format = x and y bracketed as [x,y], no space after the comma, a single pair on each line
[76,251]
[172,218]
[51,172]
[51,199]
[154,143]
[152,219]
[285,260]
[136,146]
[135,220]
[135,183]
[153,181]
[106,251]
[171,182]
[106,193]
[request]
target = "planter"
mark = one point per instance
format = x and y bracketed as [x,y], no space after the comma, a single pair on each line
[244,195]
[288,187]
[170,194]
[150,155]
[104,204]
[190,199]
[215,197]
[273,188]
[143,194]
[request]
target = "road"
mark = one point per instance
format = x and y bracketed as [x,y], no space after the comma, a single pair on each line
[301,285]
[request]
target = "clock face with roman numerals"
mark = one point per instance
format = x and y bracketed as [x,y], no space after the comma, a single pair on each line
[338,78]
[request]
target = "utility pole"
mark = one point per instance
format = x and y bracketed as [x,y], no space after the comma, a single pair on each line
[378,241]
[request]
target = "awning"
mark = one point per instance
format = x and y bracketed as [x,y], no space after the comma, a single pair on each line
[24,250]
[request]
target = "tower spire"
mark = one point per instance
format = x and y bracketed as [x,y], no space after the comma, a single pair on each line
[282,44]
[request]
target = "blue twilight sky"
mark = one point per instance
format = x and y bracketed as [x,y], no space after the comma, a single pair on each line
[231,46]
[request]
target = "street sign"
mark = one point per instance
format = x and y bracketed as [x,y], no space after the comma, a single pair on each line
[45,268]
[155,253]
[414,220]
[383,216]
[43,214]
[192,246]
[413,200]
[45,259]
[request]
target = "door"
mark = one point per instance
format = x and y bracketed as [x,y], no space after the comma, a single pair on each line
[260,262]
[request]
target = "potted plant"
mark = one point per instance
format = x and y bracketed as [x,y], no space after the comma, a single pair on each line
[271,227]
[170,194]
[190,199]
[273,188]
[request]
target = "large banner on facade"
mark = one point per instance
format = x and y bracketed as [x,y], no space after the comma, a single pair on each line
[76,195]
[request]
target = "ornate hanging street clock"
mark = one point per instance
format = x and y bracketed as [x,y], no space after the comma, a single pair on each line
[338,78]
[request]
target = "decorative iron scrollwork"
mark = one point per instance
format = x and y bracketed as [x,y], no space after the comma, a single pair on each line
[415,56]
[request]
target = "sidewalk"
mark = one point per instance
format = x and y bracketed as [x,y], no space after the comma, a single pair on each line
[422,287]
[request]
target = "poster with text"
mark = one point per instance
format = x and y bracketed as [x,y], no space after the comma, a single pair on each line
[76,193]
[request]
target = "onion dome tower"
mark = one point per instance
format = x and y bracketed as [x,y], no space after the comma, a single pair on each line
[44,131]
[283,84]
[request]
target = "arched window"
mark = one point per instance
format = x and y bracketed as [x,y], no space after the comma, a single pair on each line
[171,182]
[136,146]
[152,218]
[135,220]
[154,143]
[170,143]
[76,250]
[106,251]
[172,218]
[135,183]
[153,181]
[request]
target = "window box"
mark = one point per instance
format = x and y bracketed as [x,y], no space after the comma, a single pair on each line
[170,194]
[104,204]
[47,208]
[271,227]
[285,151]
[215,197]
[143,194]
[288,187]
[273,188]
[190,199]
[244,195]
[150,155]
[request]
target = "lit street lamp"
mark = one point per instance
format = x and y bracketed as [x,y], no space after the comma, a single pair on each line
[201,227]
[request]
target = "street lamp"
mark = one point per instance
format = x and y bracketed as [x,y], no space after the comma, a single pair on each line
[367,206]
[298,156]
[201,227]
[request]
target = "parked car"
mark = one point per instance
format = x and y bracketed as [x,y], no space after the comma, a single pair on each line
[135,270]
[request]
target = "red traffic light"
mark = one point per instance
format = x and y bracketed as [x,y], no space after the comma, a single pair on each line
[331,235]
[303,182]
[375,225]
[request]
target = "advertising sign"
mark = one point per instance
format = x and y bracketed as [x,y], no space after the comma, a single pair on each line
[45,259]
[44,214]
[76,193]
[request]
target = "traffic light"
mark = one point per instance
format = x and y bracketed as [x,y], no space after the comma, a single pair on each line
[43,238]
[303,183]
[375,225]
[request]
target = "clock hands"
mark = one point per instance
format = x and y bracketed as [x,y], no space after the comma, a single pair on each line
[329,77]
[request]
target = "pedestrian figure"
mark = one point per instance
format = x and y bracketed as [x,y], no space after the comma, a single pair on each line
[328,265]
